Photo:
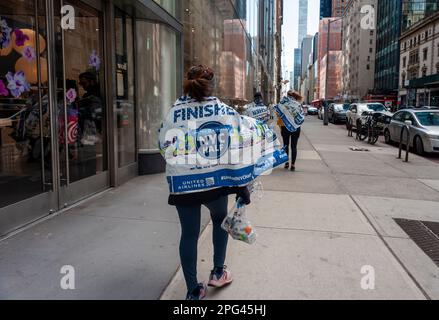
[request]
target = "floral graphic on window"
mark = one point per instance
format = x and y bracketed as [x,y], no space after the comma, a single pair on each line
[94,61]
[5,34]
[29,54]
[3,91]
[17,83]
[20,37]
[71,95]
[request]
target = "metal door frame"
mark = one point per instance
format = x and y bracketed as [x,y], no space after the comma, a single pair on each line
[74,192]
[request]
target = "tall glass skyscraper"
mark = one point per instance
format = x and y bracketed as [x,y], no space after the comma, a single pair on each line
[325,9]
[387,46]
[297,67]
[303,21]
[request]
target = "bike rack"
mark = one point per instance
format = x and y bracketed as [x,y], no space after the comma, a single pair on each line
[405,128]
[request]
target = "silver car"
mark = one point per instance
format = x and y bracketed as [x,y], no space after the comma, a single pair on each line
[424,129]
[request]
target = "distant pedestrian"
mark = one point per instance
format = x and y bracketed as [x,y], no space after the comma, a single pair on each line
[258,110]
[291,139]
[198,89]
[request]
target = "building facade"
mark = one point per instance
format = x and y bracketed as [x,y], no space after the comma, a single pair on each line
[389,17]
[419,63]
[359,47]
[339,7]
[414,11]
[278,53]
[83,93]
[329,42]
[325,9]
[306,52]
[303,21]
[297,68]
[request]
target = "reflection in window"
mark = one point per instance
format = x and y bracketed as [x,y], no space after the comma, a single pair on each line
[82,105]
[125,112]
[158,79]
[25,125]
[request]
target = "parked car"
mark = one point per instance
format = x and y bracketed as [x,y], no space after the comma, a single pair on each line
[337,112]
[357,110]
[313,111]
[424,129]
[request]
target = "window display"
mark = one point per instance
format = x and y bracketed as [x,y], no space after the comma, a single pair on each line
[25,158]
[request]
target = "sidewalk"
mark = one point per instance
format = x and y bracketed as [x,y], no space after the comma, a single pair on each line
[317,228]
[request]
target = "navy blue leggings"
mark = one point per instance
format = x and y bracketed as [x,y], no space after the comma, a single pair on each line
[190,219]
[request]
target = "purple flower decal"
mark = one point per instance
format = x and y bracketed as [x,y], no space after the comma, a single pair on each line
[94,60]
[71,95]
[29,54]
[5,34]
[3,91]
[17,83]
[20,37]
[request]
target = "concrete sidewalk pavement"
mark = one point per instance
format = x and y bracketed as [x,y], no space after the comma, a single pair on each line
[317,228]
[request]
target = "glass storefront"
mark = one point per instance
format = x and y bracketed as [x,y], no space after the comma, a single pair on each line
[81,96]
[158,79]
[171,6]
[77,105]
[125,89]
[25,163]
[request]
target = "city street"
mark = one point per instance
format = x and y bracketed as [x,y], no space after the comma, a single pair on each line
[326,231]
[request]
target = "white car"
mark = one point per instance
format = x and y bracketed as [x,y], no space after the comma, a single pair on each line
[424,129]
[312,111]
[355,113]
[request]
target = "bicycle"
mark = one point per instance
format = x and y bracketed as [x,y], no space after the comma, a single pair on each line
[369,129]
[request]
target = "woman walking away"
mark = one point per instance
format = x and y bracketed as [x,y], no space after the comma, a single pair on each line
[291,134]
[198,89]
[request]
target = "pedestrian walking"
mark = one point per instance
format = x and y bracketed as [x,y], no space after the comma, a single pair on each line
[289,134]
[198,89]
[258,110]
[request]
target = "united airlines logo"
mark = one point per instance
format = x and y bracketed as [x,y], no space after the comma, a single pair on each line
[213,140]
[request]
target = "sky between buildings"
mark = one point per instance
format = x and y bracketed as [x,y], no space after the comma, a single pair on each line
[291,28]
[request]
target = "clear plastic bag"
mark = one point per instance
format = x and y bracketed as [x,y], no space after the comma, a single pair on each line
[236,222]
[238,226]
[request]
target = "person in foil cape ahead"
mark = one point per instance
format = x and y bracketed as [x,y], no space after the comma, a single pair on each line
[201,127]
[258,110]
[290,120]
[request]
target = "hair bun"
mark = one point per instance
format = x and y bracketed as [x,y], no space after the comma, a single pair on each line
[199,83]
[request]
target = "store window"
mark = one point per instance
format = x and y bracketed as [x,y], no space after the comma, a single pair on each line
[81,96]
[158,79]
[125,89]
[25,124]
[172,6]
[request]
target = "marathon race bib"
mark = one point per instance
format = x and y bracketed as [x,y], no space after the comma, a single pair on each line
[291,113]
[209,145]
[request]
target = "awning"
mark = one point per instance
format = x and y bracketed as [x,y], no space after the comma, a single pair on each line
[425,82]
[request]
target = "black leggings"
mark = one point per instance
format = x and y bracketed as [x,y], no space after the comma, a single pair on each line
[292,139]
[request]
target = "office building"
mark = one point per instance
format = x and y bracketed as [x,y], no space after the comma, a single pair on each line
[297,68]
[414,11]
[419,63]
[325,9]
[359,48]
[303,21]
[389,14]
